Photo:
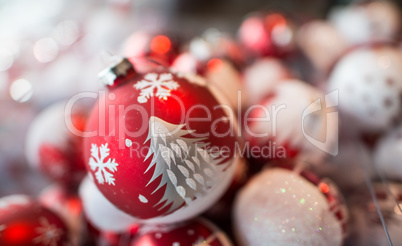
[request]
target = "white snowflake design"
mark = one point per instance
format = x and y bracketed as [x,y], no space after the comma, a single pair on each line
[103,170]
[163,84]
[49,234]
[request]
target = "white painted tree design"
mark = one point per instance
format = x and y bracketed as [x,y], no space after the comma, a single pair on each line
[188,168]
[103,170]
[154,85]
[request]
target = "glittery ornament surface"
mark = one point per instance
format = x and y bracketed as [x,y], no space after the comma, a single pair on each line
[279,207]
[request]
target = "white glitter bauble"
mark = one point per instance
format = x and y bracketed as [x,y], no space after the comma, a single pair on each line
[388,154]
[280,207]
[369,81]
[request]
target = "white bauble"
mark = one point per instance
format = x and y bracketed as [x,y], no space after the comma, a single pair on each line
[295,116]
[279,207]
[369,81]
[371,22]
[261,76]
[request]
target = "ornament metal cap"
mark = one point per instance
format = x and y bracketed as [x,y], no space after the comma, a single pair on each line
[120,70]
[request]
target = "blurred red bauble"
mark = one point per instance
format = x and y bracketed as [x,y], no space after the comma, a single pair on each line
[94,236]
[151,146]
[67,205]
[196,232]
[205,49]
[24,222]
[159,47]
[267,34]
[54,146]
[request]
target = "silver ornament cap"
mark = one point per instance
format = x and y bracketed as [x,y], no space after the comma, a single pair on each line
[120,69]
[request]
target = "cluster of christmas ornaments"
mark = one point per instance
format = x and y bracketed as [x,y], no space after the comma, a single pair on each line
[225,140]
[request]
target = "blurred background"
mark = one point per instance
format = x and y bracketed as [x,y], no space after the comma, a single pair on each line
[53,49]
[50,50]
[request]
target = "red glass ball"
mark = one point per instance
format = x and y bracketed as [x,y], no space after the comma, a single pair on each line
[24,222]
[158,146]
[267,34]
[196,232]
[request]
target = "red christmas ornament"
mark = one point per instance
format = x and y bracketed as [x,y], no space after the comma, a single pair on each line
[153,155]
[24,222]
[196,232]
[67,205]
[95,236]
[267,34]
[53,147]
